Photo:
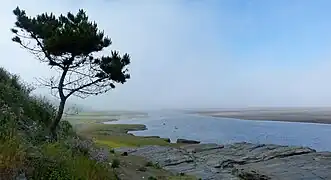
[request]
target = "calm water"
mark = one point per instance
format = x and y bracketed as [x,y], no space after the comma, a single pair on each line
[224,130]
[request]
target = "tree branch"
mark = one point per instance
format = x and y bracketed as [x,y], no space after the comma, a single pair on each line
[64,73]
[83,86]
[45,52]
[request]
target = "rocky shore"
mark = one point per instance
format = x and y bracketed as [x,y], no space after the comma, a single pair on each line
[239,161]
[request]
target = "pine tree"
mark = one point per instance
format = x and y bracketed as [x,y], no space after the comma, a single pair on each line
[70,43]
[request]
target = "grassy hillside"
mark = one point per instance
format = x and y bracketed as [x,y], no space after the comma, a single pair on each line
[25,150]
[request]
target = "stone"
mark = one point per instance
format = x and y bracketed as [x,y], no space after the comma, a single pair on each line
[194,148]
[21,177]
[239,161]
[124,154]
[186,141]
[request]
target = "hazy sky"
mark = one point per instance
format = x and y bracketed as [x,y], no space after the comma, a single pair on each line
[200,53]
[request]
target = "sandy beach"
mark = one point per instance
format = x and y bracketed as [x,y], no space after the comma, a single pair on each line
[307,115]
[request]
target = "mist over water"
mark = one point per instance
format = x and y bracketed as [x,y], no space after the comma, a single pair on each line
[207,129]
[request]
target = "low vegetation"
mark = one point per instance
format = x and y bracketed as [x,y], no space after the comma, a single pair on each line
[115,135]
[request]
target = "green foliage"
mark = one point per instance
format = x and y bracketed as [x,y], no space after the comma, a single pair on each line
[57,161]
[50,161]
[15,99]
[12,157]
[151,164]
[152,178]
[142,169]
[115,163]
[8,121]
[40,109]
[14,82]
[68,43]
[181,174]
[157,166]
[65,130]
[111,150]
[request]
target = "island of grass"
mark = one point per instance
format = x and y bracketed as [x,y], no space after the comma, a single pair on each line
[113,135]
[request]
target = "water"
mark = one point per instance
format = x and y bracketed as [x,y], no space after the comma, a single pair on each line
[225,130]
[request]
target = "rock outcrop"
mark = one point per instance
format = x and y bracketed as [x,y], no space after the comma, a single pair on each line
[187,141]
[240,161]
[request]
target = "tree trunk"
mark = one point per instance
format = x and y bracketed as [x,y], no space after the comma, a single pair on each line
[57,119]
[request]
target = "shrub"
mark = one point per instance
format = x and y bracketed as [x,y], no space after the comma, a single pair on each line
[80,145]
[30,111]
[115,163]
[8,121]
[142,169]
[112,151]
[40,110]
[99,154]
[152,178]
[59,162]
[181,174]
[149,164]
[12,158]
[65,130]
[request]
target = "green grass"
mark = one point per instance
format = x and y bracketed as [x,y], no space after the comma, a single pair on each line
[57,161]
[114,135]
[112,113]
[129,141]
[95,130]
[77,120]
[12,157]
[102,116]
[118,128]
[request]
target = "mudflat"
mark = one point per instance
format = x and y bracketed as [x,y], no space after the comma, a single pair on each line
[307,115]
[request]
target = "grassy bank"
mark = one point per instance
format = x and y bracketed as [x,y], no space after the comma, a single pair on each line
[132,167]
[90,125]
[116,135]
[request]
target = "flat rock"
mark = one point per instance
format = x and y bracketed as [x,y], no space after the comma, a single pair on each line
[240,160]
[305,166]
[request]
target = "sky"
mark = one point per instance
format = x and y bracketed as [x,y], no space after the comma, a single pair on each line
[199,53]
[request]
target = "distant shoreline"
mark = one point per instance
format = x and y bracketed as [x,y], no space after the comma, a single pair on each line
[321,116]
